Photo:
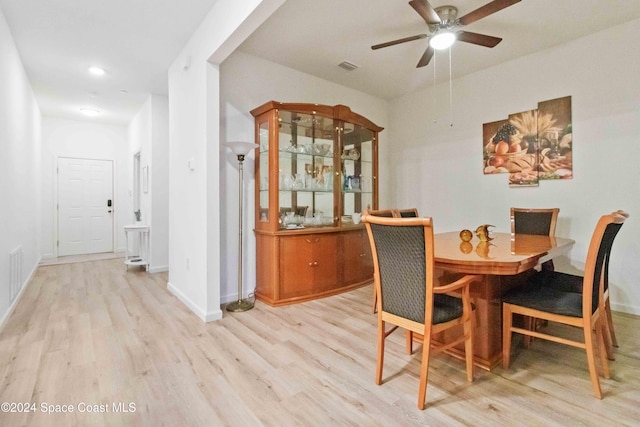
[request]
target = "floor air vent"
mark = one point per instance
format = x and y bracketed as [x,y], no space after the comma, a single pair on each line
[15,272]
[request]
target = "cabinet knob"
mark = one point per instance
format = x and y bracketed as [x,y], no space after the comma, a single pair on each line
[315,240]
[313,264]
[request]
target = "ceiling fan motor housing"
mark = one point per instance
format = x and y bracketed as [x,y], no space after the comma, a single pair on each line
[448,16]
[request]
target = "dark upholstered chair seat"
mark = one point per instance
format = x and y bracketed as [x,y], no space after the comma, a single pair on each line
[446,308]
[546,299]
[558,281]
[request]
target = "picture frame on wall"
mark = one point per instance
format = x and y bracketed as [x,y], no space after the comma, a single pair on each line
[531,146]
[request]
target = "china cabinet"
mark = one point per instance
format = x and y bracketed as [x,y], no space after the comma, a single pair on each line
[316,165]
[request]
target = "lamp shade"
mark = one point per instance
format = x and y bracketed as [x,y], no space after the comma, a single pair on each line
[241,148]
[443,39]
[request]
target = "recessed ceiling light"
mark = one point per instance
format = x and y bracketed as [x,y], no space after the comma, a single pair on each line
[92,112]
[96,71]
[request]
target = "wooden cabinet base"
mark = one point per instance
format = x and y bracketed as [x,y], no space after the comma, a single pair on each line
[309,264]
[294,300]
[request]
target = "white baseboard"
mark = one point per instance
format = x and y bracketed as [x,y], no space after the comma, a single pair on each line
[17,298]
[224,299]
[158,269]
[204,316]
[624,308]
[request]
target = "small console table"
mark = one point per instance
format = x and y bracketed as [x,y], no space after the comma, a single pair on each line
[142,256]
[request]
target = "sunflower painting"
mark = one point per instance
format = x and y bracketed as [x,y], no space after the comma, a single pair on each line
[532,145]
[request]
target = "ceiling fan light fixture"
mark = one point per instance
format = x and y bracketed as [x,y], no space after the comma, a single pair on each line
[442,40]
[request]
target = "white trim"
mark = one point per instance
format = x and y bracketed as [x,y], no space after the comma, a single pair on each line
[205,317]
[624,308]
[25,284]
[158,269]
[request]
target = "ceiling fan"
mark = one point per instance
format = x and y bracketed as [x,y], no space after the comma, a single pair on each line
[444,27]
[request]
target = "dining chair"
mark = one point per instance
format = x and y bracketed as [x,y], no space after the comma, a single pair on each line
[386,213]
[571,283]
[406,213]
[541,300]
[393,213]
[541,222]
[410,297]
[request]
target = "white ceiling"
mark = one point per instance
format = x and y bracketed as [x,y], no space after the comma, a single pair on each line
[136,42]
[314,36]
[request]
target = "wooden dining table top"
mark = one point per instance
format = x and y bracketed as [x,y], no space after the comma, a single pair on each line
[505,254]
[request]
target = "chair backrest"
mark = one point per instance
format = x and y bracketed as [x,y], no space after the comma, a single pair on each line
[395,213]
[596,265]
[406,213]
[386,213]
[606,263]
[540,222]
[402,250]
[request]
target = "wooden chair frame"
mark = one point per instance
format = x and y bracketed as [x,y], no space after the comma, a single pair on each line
[589,322]
[459,288]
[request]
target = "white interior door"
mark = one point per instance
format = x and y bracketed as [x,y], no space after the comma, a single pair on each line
[85,206]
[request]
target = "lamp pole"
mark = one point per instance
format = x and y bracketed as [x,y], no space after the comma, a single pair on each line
[240,149]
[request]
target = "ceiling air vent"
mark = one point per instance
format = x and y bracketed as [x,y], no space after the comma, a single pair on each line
[347,65]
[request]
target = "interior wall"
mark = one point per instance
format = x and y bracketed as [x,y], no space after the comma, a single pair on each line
[159,183]
[438,168]
[87,140]
[20,170]
[148,134]
[194,147]
[246,83]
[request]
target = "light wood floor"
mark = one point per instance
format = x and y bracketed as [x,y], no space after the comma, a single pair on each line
[93,333]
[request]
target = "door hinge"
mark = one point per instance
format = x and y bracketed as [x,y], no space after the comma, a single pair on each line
[58,243]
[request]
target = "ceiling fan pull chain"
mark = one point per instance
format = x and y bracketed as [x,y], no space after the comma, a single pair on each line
[450,92]
[435,104]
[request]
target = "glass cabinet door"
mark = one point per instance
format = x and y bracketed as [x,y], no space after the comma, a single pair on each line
[357,169]
[305,174]
[263,183]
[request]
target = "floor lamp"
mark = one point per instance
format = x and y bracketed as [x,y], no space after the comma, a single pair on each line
[240,149]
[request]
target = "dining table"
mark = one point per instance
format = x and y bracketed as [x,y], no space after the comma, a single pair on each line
[502,263]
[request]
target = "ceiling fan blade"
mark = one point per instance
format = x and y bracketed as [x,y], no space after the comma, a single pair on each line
[486,10]
[425,10]
[426,57]
[395,42]
[479,39]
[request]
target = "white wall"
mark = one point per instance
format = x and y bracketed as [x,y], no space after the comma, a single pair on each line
[437,168]
[20,168]
[148,134]
[194,129]
[87,140]
[247,82]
